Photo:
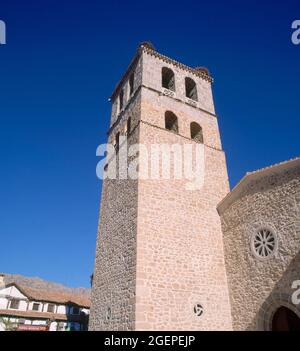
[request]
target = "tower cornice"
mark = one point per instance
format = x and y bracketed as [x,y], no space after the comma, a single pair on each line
[150,50]
[199,72]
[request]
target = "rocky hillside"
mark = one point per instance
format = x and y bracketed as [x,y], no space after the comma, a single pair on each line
[38,283]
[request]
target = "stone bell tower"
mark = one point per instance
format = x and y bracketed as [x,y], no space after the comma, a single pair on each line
[159,258]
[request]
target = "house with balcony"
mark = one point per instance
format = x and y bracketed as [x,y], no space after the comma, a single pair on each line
[32,309]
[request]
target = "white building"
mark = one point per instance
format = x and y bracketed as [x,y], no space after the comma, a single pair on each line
[24,308]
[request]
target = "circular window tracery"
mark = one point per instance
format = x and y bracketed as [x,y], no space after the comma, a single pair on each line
[264,243]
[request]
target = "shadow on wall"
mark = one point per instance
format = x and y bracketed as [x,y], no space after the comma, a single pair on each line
[287,318]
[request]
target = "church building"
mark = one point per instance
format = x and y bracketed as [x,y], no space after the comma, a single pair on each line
[172,257]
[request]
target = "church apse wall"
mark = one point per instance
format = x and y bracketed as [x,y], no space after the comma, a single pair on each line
[260,222]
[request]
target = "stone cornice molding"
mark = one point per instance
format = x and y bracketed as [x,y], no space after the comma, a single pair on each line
[201,73]
[236,192]
[149,49]
[132,98]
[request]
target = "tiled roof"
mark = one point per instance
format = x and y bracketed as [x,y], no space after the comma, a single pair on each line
[52,296]
[201,72]
[273,169]
[274,166]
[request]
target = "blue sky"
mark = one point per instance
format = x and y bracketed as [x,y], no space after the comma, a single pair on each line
[60,64]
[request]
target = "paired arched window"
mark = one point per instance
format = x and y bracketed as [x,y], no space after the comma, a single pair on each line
[171,122]
[191,89]
[168,78]
[196,132]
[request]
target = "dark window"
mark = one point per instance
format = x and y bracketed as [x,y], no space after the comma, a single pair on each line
[168,79]
[131,84]
[171,121]
[75,310]
[14,304]
[121,98]
[191,89]
[196,132]
[117,141]
[35,307]
[128,126]
[50,308]
[22,321]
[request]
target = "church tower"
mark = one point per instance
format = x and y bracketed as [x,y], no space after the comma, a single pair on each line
[159,258]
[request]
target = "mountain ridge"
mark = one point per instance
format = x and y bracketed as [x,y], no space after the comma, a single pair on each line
[39,283]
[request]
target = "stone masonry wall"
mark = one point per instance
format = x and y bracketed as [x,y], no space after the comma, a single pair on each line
[114,286]
[152,68]
[258,287]
[115,108]
[159,248]
[180,257]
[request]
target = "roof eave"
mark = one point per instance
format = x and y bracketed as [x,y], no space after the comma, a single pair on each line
[251,176]
[150,50]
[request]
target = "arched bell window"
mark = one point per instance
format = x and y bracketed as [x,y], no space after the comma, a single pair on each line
[168,78]
[191,89]
[121,100]
[171,122]
[196,132]
[131,84]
